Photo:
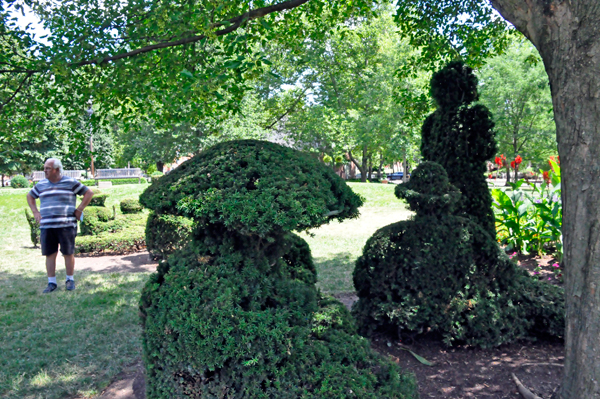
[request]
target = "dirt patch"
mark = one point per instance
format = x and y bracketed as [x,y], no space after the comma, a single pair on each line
[466,372]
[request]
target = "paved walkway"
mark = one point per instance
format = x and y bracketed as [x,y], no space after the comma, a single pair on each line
[133,263]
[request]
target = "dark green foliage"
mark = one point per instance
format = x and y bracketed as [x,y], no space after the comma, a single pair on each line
[34,228]
[19,182]
[126,240]
[460,137]
[167,233]
[236,312]
[97,219]
[98,199]
[217,318]
[429,190]
[445,274]
[116,182]
[130,205]
[254,187]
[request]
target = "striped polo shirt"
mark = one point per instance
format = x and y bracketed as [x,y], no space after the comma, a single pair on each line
[58,201]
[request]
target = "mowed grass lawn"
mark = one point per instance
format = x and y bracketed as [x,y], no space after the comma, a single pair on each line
[72,344]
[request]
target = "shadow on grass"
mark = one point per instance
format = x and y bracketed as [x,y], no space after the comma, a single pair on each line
[67,344]
[334,273]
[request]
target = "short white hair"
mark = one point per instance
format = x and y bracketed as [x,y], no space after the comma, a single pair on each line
[56,164]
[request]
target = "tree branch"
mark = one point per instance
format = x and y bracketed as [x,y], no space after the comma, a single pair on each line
[290,109]
[234,23]
[21,85]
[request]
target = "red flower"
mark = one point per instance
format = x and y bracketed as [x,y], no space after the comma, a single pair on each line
[518,160]
[490,176]
[546,176]
[512,164]
[498,161]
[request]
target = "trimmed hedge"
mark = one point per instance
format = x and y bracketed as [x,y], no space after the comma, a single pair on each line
[167,233]
[97,219]
[446,275]
[130,205]
[115,182]
[236,312]
[127,240]
[99,198]
[19,182]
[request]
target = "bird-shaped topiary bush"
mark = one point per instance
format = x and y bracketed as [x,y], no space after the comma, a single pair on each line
[445,274]
[460,137]
[236,314]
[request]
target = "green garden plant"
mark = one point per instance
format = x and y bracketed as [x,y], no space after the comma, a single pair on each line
[130,205]
[19,182]
[236,312]
[99,198]
[531,221]
[34,227]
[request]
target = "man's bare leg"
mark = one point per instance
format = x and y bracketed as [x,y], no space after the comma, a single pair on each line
[70,264]
[51,264]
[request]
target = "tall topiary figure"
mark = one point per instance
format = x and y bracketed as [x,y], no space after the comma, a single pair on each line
[460,137]
[445,274]
[235,314]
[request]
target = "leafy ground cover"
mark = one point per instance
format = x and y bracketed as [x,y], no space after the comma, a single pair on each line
[73,344]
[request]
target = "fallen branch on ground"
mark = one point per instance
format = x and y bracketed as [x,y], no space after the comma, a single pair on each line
[526,393]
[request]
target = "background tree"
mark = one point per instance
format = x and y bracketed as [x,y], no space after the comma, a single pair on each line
[515,88]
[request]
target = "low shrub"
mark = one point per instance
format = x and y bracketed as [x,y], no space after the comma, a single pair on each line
[34,228]
[99,198]
[97,219]
[157,173]
[127,240]
[167,233]
[19,182]
[116,182]
[130,205]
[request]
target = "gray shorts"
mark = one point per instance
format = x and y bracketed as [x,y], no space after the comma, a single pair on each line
[51,238]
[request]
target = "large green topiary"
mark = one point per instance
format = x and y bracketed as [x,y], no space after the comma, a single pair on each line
[235,314]
[445,274]
[460,137]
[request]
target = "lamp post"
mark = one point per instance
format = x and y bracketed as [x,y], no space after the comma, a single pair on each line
[90,111]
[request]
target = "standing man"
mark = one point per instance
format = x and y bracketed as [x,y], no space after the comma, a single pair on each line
[58,218]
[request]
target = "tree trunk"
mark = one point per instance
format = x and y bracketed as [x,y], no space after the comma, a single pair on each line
[160,166]
[567,35]
[404,169]
[362,167]
[380,165]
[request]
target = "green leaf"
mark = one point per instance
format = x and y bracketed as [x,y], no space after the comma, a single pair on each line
[419,358]
[187,73]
